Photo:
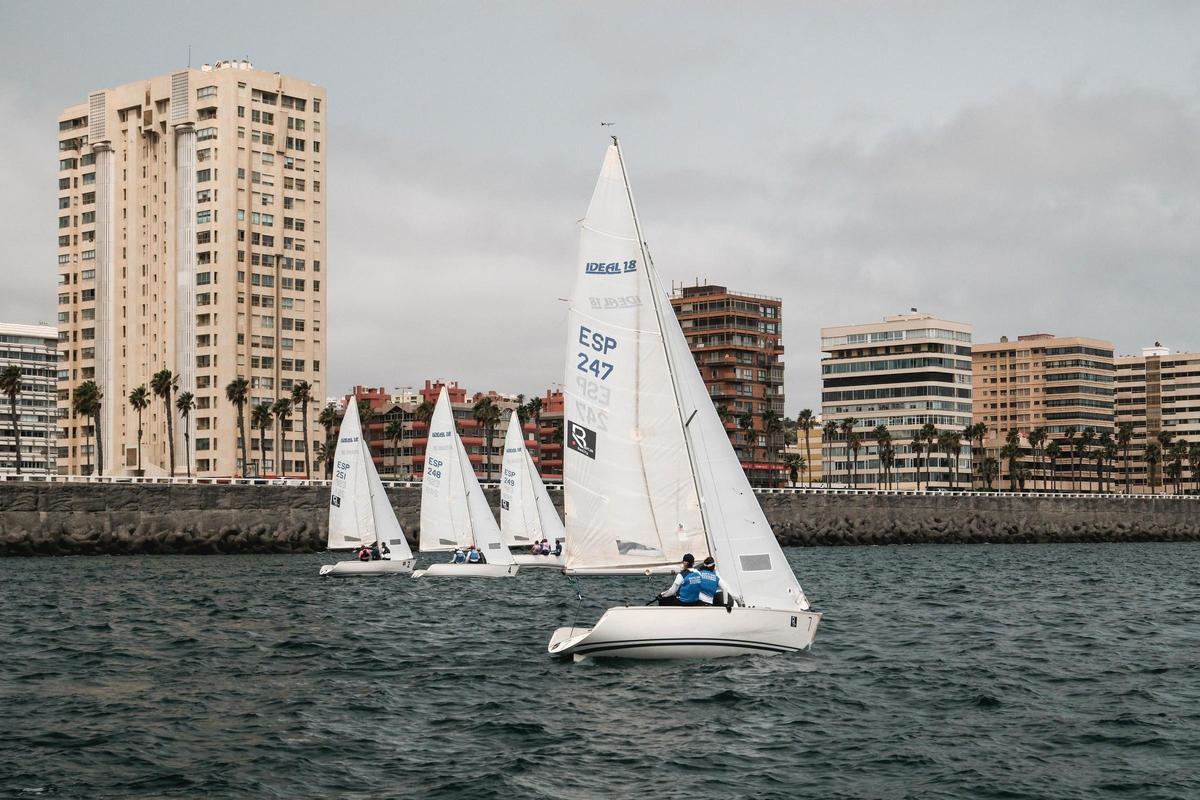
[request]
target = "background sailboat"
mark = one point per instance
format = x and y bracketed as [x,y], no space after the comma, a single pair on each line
[454,511]
[649,472]
[359,510]
[527,515]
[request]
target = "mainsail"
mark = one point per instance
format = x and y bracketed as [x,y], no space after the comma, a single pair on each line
[527,514]
[630,497]
[454,511]
[649,471]
[359,510]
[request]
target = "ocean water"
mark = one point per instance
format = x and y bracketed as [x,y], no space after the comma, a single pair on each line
[1020,671]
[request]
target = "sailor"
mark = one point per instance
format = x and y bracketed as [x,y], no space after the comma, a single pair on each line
[387,553]
[558,547]
[545,547]
[473,555]
[685,589]
[713,590]
[375,554]
[363,553]
[459,556]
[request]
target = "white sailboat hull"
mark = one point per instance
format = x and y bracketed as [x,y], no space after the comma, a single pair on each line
[552,562]
[662,569]
[672,632]
[345,569]
[467,571]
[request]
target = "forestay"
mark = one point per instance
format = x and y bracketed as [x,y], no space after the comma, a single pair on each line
[359,510]
[630,496]
[527,514]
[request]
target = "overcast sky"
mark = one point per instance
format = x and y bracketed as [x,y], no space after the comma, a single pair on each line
[1024,167]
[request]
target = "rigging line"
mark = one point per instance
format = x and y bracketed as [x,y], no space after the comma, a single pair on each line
[655,286]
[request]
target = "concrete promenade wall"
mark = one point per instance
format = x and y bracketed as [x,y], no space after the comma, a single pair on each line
[38,518]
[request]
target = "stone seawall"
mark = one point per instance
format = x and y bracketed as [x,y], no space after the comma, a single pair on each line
[94,519]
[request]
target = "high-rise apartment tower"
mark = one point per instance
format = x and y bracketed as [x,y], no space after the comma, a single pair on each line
[191,237]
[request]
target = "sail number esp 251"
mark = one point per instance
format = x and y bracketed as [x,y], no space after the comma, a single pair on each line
[595,342]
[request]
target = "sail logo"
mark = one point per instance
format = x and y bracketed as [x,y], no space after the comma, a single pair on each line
[348,439]
[439,434]
[504,505]
[610,267]
[582,440]
[335,501]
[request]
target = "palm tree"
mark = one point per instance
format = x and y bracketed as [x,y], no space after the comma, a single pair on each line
[829,433]
[1037,438]
[805,421]
[929,434]
[1086,441]
[162,383]
[323,453]
[184,403]
[795,463]
[1152,456]
[534,409]
[139,399]
[951,443]
[1179,451]
[773,427]
[393,433]
[302,396]
[1053,451]
[237,393]
[1164,444]
[883,437]
[366,415]
[847,427]
[487,414]
[1194,461]
[976,434]
[283,413]
[989,469]
[1012,451]
[889,460]
[10,384]
[918,446]
[1104,444]
[853,443]
[1124,437]
[87,403]
[260,417]
[1069,434]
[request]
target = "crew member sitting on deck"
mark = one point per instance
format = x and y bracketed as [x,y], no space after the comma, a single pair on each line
[545,547]
[375,554]
[558,547]
[387,554]
[685,590]
[713,590]
[473,555]
[459,556]
[363,553]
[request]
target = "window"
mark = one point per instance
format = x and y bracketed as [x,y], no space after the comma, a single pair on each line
[64,259]
[206,91]
[89,255]
[203,175]
[88,198]
[203,278]
[64,222]
[64,202]
[88,217]
[68,163]
[203,217]
[204,196]
[206,133]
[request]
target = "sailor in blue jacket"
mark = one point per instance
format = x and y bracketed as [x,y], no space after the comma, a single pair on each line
[713,590]
[685,589]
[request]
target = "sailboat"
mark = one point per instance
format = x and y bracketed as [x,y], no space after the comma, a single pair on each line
[359,510]
[454,511]
[527,514]
[649,472]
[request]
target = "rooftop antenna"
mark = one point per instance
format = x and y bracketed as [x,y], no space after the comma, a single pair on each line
[189,56]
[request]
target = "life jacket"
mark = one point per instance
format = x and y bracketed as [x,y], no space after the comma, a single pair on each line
[364,554]
[558,548]
[545,548]
[689,590]
[459,557]
[709,584]
[473,556]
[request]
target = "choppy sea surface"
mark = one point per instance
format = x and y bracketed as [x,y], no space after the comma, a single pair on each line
[1020,671]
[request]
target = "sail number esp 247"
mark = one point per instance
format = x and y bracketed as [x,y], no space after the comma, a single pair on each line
[595,342]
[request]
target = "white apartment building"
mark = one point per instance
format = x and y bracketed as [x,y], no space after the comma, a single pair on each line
[904,372]
[191,237]
[33,348]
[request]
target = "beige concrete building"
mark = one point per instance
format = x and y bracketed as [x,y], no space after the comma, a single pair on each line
[1157,392]
[904,372]
[1045,381]
[33,348]
[191,237]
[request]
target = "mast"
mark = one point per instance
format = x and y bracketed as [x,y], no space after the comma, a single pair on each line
[651,274]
